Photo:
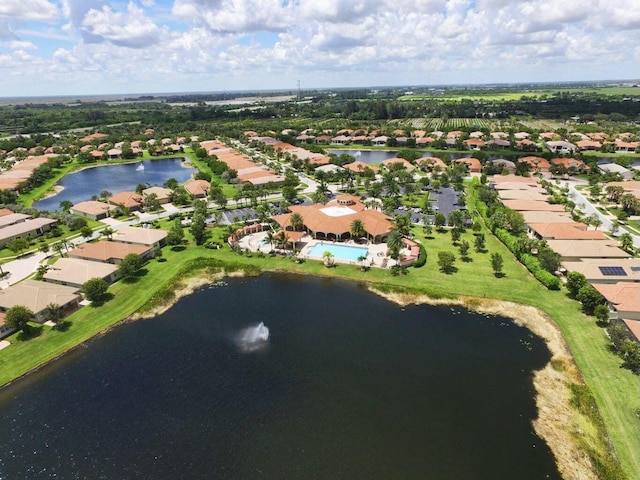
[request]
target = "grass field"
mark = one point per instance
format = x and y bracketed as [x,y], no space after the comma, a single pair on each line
[507,96]
[616,390]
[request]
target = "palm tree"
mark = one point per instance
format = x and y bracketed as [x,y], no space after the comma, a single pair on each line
[394,244]
[270,238]
[626,241]
[108,232]
[53,313]
[357,229]
[328,258]
[297,222]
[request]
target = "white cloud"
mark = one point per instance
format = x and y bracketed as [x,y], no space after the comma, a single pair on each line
[214,44]
[29,10]
[130,29]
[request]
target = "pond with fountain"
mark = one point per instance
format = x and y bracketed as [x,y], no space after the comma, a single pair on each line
[82,185]
[285,377]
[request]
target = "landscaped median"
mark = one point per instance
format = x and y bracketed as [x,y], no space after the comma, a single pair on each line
[616,390]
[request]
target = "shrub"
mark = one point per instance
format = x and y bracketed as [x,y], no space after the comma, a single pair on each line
[422,257]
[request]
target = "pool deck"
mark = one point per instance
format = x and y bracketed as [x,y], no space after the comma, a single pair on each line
[377,256]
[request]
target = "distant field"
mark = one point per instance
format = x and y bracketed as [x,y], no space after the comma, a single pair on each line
[517,95]
[446,124]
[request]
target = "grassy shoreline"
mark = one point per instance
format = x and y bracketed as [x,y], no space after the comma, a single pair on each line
[616,391]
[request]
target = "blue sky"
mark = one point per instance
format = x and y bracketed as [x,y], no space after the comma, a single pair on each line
[84,47]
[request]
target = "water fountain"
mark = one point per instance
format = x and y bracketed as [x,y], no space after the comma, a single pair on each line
[253,338]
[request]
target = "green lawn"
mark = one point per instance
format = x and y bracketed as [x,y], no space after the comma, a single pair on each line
[616,390]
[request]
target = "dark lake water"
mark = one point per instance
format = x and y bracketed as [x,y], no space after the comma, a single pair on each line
[81,186]
[348,386]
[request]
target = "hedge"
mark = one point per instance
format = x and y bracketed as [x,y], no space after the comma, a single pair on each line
[422,257]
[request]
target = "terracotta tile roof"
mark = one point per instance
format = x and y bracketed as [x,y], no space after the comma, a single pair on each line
[634,327]
[536,162]
[587,248]
[126,199]
[622,295]
[105,251]
[336,219]
[406,163]
[198,187]
[431,162]
[359,166]
[546,217]
[92,207]
[533,205]
[567,231]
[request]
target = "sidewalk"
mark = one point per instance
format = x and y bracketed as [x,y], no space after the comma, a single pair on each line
[21,268]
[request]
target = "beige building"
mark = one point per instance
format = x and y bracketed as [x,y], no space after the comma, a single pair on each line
[36,295]
[92,209]
[149,237]
[75,272]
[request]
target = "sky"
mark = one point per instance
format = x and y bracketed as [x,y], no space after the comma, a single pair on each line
[92,47]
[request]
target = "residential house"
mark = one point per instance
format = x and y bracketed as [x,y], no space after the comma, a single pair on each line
[75,272]
[623,298]
[129,200]
[148,237]
[30,228]
[92,209]
[37,295]
[109,252]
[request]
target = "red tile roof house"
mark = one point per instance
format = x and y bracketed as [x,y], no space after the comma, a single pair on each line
[333,220]
[537,164]
[108,252]
[473,164]
[474,143]
[623,298]
[405,163]
[565,231]
[129,200]
[197,188]
[578,250]
[569,163]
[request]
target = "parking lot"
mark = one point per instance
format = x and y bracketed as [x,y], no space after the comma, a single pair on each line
[237,214]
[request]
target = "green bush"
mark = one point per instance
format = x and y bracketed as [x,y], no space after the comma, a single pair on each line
[422,257]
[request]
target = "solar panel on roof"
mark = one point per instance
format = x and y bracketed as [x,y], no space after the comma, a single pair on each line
[635,269]
[613,271]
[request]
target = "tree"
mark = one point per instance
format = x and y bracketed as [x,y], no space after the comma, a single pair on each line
[497,263]
[44,248]
[575,281]
[297,222]
[479,242]
[19,317]
[601,312]
[402,223]
[86,232]
[18,245]
[65,205]
[176,233]
[549,260]
[108,232]
[53,313]
[394,244]
[626,242]
[439,221]
[446,261]
[94,289]
[328,258]
[590,298]
[289,193]
[463,248]
[357,229]
[455,235]
[130,264]
[198,228]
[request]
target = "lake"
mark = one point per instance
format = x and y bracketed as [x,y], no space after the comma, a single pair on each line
[378,156]
[82,185]
[347,386]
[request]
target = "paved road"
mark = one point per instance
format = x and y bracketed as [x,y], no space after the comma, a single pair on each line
[588,209]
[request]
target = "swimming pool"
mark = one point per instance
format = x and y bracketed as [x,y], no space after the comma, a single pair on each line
[340,252]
